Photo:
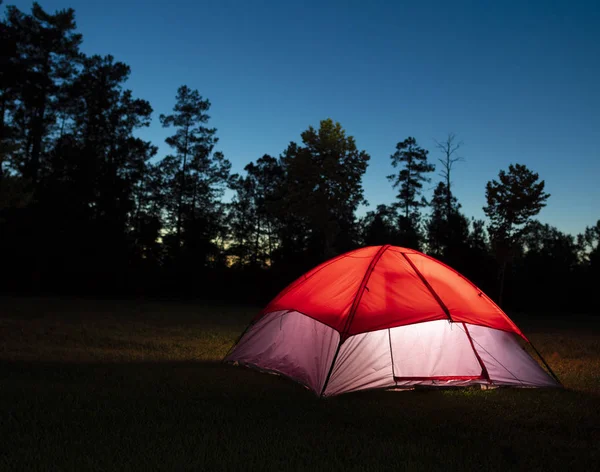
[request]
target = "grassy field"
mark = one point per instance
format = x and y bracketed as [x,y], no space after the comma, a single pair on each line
[139,386]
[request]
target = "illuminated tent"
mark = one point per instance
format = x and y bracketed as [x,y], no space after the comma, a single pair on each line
[387,317]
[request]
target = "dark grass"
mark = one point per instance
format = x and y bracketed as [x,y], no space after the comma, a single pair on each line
[138,386]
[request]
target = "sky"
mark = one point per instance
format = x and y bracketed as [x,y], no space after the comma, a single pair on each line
[516,81]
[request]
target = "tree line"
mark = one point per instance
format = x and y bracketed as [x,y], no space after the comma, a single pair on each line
[88,208]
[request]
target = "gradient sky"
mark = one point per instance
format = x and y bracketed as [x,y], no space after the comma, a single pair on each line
[517,81]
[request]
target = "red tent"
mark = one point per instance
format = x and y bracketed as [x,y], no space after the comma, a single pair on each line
[386,316]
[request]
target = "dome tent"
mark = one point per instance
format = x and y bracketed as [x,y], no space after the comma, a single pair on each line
[387,317]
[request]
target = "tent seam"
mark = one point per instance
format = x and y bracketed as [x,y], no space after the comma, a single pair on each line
[392,355]
[361,289]
[353,309]
[481,293]
[499,363]
[429,287]
[485,372]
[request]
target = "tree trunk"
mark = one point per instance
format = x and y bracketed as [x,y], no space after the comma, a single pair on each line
[270,243]
[194,193]
[448,193]
[501,276]
[2,133]
[257,240]
[408,190]
[182,189]
[504,256]
[38,129]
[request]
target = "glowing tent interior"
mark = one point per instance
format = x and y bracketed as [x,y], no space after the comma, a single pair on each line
[387,317]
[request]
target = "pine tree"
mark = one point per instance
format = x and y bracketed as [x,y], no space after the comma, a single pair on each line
[195,176]
[48,50]
[410,179]
[511,203]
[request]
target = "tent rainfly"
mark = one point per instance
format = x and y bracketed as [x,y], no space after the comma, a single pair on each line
[387,317]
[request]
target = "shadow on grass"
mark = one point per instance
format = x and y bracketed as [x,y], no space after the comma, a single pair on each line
[208,415]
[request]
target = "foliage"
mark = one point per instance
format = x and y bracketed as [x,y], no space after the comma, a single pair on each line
[251,219]
[88,207]
[513,201]
[449,149]
[380,226]
[410,180]
[323,189]
[447,230]
[195,177]
[589,246]
[45,56]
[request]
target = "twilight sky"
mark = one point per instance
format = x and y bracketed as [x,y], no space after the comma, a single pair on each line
[517,81]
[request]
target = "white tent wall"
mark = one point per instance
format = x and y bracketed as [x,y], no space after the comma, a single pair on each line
[377,359]
[291,344]
[364,362]
[431,353]
[433,349]
[407,355]
[506,360]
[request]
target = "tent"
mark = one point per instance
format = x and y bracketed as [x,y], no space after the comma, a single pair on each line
[387,317]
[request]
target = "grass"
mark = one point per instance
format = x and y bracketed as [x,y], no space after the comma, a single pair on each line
[139,386]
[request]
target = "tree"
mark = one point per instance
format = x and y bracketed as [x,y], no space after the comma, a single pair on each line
[478,240]
[47,49]
[546,271]
[511,203]
[410,181]
[244,223]
[380,226]
[447,230]
[191,137]
[449,148]
[95,170]
[251,219]
[147,219]
[195,176]
[588,249]
[322,190]
[11,75]
[588,245]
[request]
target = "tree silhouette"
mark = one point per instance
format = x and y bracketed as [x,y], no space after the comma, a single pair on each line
[447,230]
[410,180]
[323,188]
[588,249]
[195,178]
[191,139]
[380,227]
[511,203]
[251,220]
[47,47]
[589,245]
[449,149]
[87,207]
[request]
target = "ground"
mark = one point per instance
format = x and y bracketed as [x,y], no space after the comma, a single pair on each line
[89,385]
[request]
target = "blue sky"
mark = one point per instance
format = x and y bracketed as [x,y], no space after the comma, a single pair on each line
[516,81]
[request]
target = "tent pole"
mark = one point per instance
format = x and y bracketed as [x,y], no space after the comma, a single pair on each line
[430,288]
[546,364]
[353,308]
[484,370]
[337,351]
